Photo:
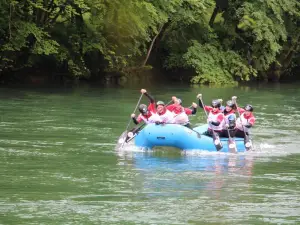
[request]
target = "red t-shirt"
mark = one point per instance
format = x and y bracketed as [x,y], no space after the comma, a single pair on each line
[152,107]
[179,109]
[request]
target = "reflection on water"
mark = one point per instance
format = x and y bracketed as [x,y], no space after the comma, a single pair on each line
[195,171]
[215,188]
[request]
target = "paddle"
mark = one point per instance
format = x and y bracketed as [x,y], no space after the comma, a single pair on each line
[131,118]
[216,138]
[231,142]
[131,134]
[247,141]
[168,103]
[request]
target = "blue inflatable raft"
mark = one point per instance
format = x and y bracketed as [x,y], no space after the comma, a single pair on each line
[174,135]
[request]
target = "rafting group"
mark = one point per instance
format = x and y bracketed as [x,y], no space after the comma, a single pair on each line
[222,121]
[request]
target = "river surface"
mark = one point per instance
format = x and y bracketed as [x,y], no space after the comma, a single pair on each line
[60,165]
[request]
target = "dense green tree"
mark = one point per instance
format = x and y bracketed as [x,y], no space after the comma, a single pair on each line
[216,41]
[249,37]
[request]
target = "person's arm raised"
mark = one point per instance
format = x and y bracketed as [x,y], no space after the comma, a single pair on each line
[199,96]
[193,108]
[144,91]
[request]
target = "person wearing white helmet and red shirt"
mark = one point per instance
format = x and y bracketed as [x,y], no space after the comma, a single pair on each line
[215,117]
[165,115]
[181,113]
[177,107]
[245,121]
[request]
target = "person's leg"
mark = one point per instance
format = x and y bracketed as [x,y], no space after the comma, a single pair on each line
[231,132]
[239,133]
[208,133]
[218,133]
[224,133]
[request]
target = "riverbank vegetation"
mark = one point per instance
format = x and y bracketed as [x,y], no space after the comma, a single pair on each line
[205,41]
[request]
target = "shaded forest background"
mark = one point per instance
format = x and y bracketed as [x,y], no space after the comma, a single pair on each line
[200,41]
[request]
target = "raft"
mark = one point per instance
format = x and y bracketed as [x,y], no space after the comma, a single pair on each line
[181,137]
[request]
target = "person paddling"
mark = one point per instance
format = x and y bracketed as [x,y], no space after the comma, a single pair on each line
[147,114]
[177,107]
[165,115]
[229,119]
[215,117]
[245,121]
[181,113]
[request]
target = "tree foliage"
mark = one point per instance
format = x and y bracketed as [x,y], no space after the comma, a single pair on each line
[216,65]
[239,41]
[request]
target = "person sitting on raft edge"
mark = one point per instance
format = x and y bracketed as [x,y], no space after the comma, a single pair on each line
[177,107]
[181,113]
[229,119]
[147,114]
[245,121]
[215,117]
[164,114]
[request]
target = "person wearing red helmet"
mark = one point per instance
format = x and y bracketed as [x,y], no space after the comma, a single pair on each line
[215,117]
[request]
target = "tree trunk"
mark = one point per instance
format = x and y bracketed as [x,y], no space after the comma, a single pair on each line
[9,21]
[151,45]
[213,16]
[289,56]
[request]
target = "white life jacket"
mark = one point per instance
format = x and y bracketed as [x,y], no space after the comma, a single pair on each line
[181,118]
[152,119]
[167,117]
[241,122]
[213,117]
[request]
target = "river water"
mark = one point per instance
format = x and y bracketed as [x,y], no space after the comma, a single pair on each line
[60,165]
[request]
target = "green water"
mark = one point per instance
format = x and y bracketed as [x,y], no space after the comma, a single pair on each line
[59,164]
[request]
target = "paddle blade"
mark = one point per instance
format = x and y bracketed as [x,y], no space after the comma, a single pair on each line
[130,138]
[247,143]
[130,135]
[217,143]
[133,132]
[232,145]
[122,138]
